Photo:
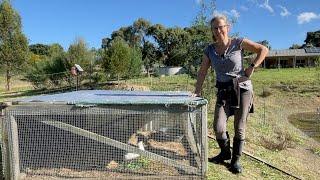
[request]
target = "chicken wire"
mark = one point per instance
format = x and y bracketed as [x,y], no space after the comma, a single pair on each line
[106,140]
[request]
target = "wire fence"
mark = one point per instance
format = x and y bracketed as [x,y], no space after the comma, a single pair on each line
[108,141]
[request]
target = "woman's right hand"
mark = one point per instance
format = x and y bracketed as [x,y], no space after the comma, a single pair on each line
[195,95]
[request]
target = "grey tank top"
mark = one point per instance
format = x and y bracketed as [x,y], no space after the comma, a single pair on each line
[231,62]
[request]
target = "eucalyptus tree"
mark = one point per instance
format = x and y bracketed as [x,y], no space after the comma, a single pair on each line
[149,56]
[127,34]
[200,38]
[13,43]
[138,39]
[313,39]
[140,30]
[147,48]
[172,44]
[55,50]
[135,35]
[39,49]
[38,52]
[265,43]
[50,70]
[106,43]
[295,46]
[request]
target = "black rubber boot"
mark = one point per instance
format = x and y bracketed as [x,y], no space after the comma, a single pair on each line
[225,153]
[235,166]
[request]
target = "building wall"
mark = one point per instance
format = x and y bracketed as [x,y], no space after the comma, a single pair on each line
[288,62]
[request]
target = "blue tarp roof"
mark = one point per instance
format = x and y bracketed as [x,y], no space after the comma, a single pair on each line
[118,97]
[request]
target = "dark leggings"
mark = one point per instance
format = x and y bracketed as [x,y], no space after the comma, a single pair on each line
[222,112]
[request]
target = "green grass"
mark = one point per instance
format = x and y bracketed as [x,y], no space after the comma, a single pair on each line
[297,80]
[140,163]
[17,84]
[289,75]
[168,83]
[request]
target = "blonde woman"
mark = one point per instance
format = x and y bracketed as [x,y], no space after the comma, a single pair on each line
[235,91]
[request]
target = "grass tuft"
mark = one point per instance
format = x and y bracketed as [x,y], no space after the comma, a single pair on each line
[279,140]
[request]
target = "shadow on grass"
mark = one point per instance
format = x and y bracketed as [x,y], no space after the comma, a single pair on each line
[10,95]
[87,86]
[17,94]
[307,122]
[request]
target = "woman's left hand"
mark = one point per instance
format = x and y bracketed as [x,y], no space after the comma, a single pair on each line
[249,71]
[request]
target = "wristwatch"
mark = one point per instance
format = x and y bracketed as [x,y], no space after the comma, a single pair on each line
[253,65]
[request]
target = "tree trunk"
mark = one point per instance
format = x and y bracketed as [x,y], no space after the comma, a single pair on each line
[148,72]
[8,77]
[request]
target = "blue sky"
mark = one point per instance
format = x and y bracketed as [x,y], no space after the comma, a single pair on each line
[281,22]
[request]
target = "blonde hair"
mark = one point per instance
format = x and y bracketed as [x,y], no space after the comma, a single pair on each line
[219,16]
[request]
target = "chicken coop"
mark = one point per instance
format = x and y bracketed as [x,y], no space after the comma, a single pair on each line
[105,134]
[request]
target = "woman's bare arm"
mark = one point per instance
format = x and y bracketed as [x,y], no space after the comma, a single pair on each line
[202,74]
[257,48]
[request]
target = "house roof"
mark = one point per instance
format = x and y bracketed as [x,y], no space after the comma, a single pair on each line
[313,51]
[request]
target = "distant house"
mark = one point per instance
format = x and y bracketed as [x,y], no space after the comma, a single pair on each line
[290,58]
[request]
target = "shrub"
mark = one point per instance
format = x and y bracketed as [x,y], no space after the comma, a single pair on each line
[266,92]
[48,73]
[280,140]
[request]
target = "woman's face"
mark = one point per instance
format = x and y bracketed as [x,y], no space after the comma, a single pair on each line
[220,29]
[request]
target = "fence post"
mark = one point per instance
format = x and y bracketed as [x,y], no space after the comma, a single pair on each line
[204,132]
[13,149]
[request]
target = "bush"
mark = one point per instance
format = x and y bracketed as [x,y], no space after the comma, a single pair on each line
[278,141]
[177,57]
[36,75]
[48,73]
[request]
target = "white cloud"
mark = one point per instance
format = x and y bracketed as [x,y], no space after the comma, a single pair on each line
[233,13]
[306,17]
[284,11]
[217,13]
[244,8]
[266,6]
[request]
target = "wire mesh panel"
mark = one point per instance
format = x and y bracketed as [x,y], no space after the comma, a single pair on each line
[107,140]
